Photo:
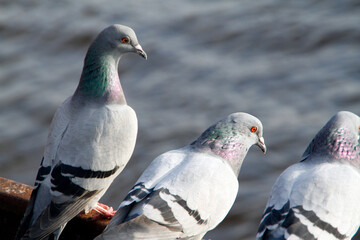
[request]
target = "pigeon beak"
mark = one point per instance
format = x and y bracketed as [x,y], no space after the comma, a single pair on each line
[261,144]
[140,51]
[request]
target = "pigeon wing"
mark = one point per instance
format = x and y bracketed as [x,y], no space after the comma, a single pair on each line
[309,200]
[186,202]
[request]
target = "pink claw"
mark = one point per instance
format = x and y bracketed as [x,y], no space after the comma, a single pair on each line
[104,211]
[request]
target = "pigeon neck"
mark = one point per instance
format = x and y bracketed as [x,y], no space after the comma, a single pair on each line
[99,79]
[339,145]
[221,143]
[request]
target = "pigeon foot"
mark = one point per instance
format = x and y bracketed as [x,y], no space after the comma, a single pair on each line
[104,211]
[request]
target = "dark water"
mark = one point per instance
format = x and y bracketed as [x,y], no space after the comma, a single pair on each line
[293,64]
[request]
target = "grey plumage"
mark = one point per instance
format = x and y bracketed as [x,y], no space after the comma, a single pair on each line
[318,197]
[186,192]
[91,138]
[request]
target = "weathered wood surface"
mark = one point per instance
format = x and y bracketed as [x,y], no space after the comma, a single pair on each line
[14,197]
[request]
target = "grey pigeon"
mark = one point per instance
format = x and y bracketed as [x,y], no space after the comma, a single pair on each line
[91,139]
[186,192]
[318,198]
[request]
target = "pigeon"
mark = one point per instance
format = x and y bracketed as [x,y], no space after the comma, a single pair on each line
[186,192]
[91,139]
[318,198]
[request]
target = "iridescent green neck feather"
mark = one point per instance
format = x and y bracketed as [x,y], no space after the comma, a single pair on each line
[226,142]
[335,143]
[99,80]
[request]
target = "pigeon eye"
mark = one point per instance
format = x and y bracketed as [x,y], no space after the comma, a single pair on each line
[125,40]
[253,129]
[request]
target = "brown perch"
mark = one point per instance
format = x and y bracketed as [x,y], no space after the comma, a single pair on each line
[14,198]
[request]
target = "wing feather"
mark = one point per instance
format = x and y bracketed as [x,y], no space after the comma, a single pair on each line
[309,200]
[179,205]
[86,149]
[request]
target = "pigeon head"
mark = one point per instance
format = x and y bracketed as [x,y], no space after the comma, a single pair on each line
[117,40]
[99,79]
[232,137]
[338,139]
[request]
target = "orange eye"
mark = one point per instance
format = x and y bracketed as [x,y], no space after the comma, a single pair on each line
[125,40]
[253,129]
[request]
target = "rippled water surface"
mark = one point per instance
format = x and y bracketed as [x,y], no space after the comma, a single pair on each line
[293,64]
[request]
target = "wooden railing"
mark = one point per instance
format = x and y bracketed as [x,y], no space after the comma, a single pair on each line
[14,198]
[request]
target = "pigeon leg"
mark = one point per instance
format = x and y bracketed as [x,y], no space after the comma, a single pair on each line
[104,210]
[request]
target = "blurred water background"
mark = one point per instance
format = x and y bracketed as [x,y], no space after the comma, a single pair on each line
[293,64]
